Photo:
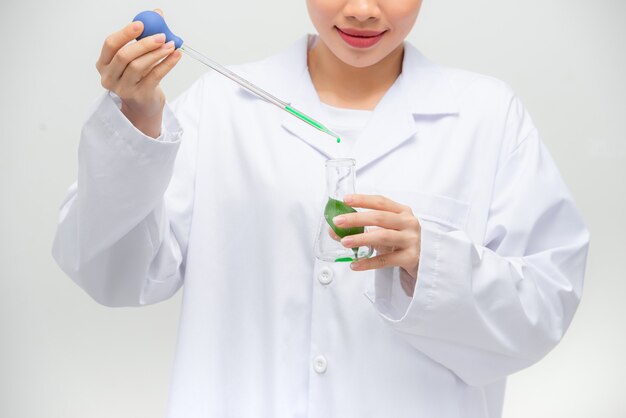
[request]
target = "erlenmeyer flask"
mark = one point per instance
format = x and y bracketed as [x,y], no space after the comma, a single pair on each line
[340,181]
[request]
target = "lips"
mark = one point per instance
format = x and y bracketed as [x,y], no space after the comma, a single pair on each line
[360,38]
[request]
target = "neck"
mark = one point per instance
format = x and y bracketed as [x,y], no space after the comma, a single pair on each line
[342,85]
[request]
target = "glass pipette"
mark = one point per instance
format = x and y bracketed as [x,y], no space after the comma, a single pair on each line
[153,23]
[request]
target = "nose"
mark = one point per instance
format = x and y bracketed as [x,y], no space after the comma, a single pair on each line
[362,10]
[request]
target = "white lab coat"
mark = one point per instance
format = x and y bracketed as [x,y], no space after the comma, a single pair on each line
[231,207]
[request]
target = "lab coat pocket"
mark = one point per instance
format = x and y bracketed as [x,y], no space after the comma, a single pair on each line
[440,212]
[445,212]
[437,215]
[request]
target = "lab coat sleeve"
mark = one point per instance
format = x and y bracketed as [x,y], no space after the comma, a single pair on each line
[486,310]
[123,226]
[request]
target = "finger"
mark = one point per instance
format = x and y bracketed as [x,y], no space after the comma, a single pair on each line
[117,40]
[407,282]
[333,235]
[375,202]
[154,77]
[380,218]
[131,52]
[378,238]
[140,67]
[380,261]
[159,11]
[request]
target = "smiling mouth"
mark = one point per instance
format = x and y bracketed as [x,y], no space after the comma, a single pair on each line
[356,33]
[360,38]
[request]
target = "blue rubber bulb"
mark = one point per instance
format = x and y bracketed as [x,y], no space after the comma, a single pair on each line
[154,23]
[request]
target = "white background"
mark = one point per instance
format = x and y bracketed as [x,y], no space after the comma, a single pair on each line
[62,355]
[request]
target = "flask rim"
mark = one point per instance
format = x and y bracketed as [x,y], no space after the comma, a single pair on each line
[341,162]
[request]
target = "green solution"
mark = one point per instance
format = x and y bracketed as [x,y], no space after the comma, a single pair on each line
[310,121]
[334,208]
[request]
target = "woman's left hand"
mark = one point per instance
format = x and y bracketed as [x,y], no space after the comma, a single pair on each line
[396,236]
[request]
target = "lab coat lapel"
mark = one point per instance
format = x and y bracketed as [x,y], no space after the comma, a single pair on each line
[307,101]
[287,77]
[391,125]
[420,91]
[423,90]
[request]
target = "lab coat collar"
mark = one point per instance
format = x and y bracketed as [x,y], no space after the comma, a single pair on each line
[423,89]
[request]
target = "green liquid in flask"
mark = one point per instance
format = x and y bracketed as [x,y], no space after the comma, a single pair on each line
[334,208]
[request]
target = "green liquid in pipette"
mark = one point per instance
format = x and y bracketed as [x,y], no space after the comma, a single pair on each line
[343,260]
[310,121]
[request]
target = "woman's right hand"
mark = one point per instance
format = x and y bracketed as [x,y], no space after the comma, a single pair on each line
[133,71]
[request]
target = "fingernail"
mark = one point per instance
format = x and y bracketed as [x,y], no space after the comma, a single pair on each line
[160,37]
[354,266]
[136,26]
[168,45]
[347,242]
[338,220]
[348,199]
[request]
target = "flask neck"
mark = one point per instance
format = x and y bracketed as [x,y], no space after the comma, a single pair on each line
[340,178]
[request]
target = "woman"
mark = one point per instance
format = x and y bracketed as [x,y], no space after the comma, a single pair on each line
[481,251]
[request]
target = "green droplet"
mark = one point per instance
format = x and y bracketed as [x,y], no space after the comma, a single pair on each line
[338,140]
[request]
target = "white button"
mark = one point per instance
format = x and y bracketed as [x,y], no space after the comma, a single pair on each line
[325,276]
[320,364]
